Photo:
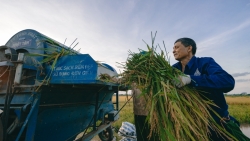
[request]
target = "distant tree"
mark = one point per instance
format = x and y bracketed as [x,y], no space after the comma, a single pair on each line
[244,93]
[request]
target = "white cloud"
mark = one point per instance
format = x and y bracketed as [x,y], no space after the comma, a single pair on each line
[240,74]
[107,30]
[222,37]
[243,80]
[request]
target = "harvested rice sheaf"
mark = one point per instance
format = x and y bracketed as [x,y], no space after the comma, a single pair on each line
[175,114]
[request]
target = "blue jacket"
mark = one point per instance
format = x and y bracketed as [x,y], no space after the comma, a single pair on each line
[208,76]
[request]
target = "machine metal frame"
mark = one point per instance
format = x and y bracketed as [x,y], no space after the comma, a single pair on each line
[72,100]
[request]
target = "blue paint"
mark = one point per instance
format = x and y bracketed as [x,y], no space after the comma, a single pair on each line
[74,69]
[66,106]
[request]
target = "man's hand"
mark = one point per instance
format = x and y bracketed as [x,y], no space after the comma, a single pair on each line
[183,80]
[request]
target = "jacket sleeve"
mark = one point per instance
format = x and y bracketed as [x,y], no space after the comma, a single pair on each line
[213,77]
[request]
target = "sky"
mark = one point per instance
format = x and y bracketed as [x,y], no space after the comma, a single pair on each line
[108,29]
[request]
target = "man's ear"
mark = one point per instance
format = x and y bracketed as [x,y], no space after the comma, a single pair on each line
[190,48]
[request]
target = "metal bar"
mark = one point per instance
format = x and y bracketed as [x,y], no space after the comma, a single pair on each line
[71,104]
[24,86]
[93,116]
[96,109]
[8,99]
[19,69]
[31,127]
[35,104]
[93,133]
[117,101]
[124,105]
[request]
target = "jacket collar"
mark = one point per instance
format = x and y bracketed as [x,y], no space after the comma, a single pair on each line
[189,64]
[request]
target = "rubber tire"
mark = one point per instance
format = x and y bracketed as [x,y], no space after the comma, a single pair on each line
[106,135]
[1,130]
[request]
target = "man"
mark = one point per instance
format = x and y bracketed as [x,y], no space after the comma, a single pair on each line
[206,75]
[140,115]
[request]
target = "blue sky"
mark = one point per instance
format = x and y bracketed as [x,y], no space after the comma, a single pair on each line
[108,29]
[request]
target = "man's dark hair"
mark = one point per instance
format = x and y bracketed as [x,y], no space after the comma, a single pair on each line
[188,42]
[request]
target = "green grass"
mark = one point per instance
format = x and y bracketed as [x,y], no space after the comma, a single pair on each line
[239,108]
[240,112]
[126,114]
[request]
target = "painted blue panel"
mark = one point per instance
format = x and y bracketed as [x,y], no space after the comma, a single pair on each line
[73,69]
[32,41]
[26,39]
[29,40]
[65,112]
[58,124]
[18,99]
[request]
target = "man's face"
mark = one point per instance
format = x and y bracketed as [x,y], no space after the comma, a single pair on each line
[180,51]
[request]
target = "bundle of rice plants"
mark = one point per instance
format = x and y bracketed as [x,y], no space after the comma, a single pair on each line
[174,113]
[51,56]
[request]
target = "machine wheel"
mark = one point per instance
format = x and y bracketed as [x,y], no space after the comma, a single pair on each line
[1,130]
[106,135]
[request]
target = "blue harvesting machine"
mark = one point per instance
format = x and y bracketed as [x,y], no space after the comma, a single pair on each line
[53,101]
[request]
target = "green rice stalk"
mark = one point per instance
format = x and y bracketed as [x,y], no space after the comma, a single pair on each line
[175,114]
[50,58]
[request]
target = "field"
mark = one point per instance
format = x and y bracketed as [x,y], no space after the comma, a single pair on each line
[238,100]
[126,113]
[239,107]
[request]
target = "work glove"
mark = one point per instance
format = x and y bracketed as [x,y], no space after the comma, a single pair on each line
[183,80]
